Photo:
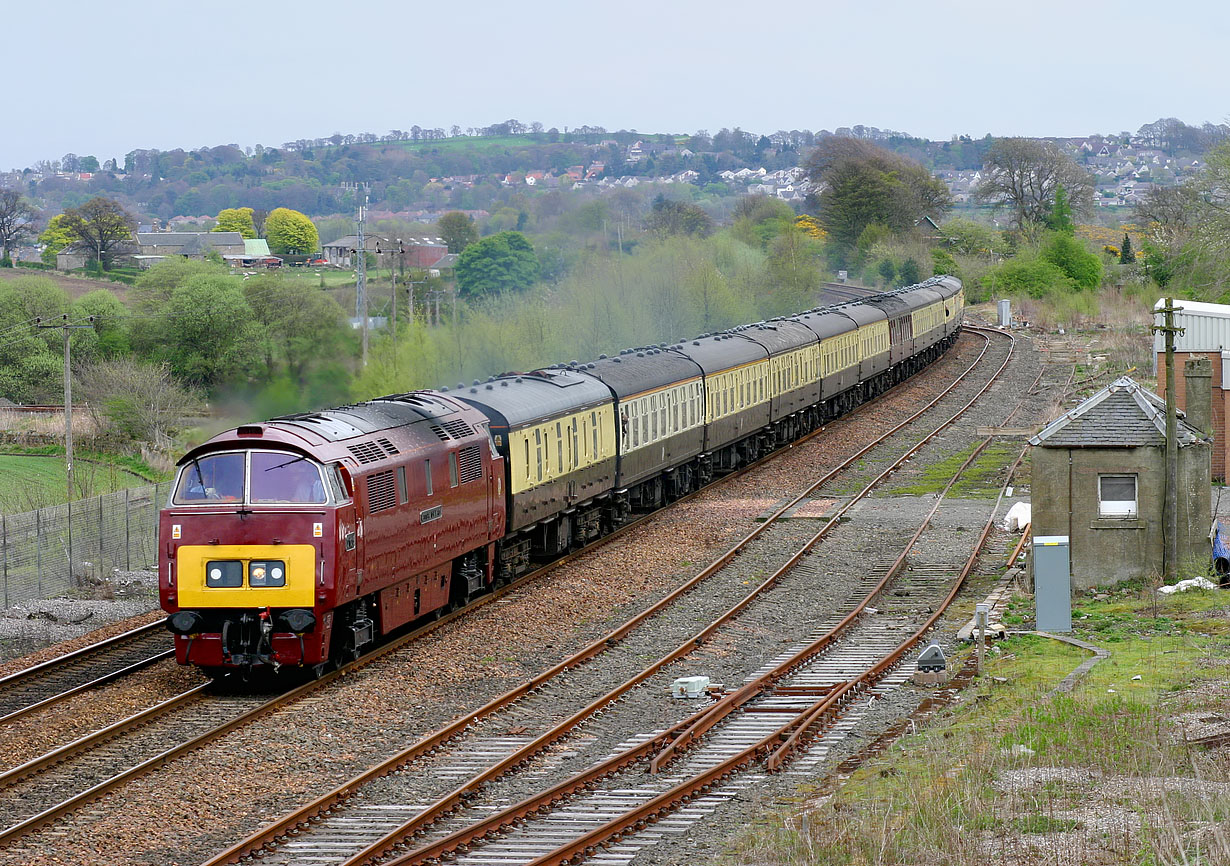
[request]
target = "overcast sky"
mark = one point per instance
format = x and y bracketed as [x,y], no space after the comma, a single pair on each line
[107,78]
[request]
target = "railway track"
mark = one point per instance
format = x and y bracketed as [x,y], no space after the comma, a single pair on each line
[42,685]
[376,812]
[93,765]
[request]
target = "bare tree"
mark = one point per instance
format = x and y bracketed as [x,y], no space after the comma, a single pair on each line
[134,400]
[16,220]
[1171,214]
[1022,175]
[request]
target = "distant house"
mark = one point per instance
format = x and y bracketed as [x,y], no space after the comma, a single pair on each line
[423,251]
[255,255]
[340,251]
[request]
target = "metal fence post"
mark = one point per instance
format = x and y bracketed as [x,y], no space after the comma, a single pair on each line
[101,570]
[38,551]
[127,536]
[70,543]
[4,539]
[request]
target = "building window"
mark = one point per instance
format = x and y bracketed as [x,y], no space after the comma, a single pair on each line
[1117,496]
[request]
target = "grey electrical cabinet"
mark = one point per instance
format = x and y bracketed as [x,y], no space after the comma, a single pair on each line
[1052,583]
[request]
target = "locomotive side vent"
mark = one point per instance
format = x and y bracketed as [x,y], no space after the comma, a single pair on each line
[366,452]
[381,491]
[470,464]
[439,431]
[388,446]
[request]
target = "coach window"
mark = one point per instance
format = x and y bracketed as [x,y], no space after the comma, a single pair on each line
[527,458]
[538,449]
[559,448]
[593,423]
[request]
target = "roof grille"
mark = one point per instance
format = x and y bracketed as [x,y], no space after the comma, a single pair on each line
[470,464]
[388,446]
[366,452]
[448,430]
[381,491]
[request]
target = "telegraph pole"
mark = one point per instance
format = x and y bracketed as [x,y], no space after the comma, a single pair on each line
[68,392]
[360,300]
[1170,508]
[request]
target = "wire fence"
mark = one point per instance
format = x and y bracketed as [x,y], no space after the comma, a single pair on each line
[66,549]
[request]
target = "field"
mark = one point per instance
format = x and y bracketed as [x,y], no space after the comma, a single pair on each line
[27,483]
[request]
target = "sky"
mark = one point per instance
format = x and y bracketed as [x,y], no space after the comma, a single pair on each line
[104,79]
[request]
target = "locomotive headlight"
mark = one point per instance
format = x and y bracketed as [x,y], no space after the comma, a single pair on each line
[267,573]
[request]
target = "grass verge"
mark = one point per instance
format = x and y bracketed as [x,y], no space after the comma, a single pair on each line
[1106,774]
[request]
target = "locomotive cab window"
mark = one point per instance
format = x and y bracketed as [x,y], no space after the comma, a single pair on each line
[216,478]
[278,477]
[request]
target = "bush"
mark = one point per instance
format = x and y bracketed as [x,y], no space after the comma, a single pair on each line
[1035,277]
[36,266]
[6,262]
[1070,256]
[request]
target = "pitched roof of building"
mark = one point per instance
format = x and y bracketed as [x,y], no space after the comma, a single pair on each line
[253,247]
[177,239]
[1124,414]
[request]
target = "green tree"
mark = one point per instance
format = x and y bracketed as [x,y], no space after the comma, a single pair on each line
[100,225]
[667,217]
[151,296]
[909,274]
[862,184]
[942,263]
[290,232]
[54,238]
[1126,254]
[31,361]
[297,325]
[236,219]
[887,270]
[209,326]
[111,320]
[502,262]
[1060,217]
[458,230]
[758,219]
[87,163]
[1070,256]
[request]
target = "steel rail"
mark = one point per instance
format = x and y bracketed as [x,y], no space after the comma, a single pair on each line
[443,735]
[51,667]
[828,703]
[306,814]
[102,735]
[782,741]
[444,805]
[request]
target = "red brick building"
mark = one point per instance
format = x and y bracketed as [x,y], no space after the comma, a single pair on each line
[1206,334]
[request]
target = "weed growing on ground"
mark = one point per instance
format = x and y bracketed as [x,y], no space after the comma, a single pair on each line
[1105,774]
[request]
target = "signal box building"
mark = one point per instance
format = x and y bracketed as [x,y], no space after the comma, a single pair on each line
[1206,333]
[1099,478]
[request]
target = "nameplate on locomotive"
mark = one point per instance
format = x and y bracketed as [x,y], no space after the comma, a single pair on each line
[431,514]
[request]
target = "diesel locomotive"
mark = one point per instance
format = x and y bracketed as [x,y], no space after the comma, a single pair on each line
[303,539]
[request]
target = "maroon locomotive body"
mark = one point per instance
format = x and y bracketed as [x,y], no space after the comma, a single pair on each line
[301,540]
